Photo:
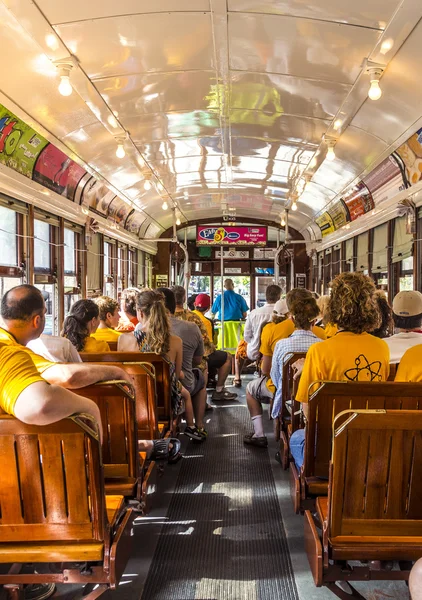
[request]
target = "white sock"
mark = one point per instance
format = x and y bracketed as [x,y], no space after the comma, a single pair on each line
[258,426]
[219,388]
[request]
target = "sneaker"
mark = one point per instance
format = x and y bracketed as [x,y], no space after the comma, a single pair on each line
[249,439]
[203,433]
[223,395]
[39,591]
[193,433]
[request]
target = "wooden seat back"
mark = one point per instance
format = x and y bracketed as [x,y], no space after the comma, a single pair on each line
[161,371]
[51,482]
[335,397]
[120,436]
[112,346]
[289,384]
[376,488]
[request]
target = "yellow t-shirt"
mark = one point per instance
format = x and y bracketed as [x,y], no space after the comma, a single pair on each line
[92,345]
[345,357]
[207,323]
[273,332]
[106,335]
[410,366]
[330,330]
[19,368]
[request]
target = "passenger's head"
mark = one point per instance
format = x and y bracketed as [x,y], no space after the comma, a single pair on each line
[179,294]
[323,306]
[191,301]
[304,311]
[169,299]
[109,311]
[384,308]
[23,312]
[202,303]
[272,294]
[82,320]
[152,313]
[229,284]
[280,311]
[128,301]
[407,310]
[352,304]
[296,294]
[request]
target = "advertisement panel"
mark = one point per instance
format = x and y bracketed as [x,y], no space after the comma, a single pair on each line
[20,145]
[411,154]
[57,172]
[220,235]
[358,201]
[338,214]
[385,181]
[325,223]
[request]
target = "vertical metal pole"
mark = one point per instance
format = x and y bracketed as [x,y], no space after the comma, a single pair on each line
[286,237]
[222,297]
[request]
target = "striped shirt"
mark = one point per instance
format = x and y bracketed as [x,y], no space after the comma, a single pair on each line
[299,341]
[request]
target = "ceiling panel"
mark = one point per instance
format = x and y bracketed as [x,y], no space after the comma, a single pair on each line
[374,14]
[81,10]
[299,47]
[149,93]
[141,43]
[271,95]
[177,148]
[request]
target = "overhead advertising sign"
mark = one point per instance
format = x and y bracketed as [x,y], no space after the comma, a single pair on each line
[411,154]
[231,236]
[358,201]
[325,223]
[385,181]
[338,214]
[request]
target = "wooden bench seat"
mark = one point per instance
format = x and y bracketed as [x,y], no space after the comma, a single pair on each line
[329,400]
[54,508]
[373,511]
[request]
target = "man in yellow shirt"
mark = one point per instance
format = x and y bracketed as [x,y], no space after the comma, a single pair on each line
[352,354]
[32,388]
[410,366]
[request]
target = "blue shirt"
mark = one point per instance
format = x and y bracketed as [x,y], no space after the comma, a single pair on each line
[299,341]
[234,306]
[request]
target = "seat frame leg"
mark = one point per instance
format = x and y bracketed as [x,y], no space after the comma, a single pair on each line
[342,594]
[14,591]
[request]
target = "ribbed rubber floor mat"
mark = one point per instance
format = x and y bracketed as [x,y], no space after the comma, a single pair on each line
[224,538]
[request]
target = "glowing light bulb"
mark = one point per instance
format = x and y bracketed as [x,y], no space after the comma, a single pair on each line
[120,152]
[178,221]
[164,206]
[294,205]
[283,221]
[375,91]
[147,185]
[331,155]
[65,87]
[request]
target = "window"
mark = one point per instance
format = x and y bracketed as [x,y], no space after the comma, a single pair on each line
[349,266]
[69,251]
[132,268]
[379,265]
[335,261]
[8,237]
[406,274]
[71,284]
[121,269]
[42,254]
[109,271]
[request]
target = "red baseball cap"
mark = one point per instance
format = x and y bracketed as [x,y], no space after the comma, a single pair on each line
[203,301]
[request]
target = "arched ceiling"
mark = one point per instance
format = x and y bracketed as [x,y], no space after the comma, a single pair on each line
[221,102]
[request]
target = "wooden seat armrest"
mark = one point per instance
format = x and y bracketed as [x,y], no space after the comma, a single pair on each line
[322,509]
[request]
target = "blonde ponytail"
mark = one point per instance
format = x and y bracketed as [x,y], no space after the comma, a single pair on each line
[151,303]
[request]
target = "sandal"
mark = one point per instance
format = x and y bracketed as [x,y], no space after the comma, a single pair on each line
[162,450]
[237,383]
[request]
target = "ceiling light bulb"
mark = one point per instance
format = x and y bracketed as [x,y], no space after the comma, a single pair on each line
[178,221]
[147,185]
[65,87]
[120,152]
[283,221]
[294,205]
[164,205]
[331,155]
[375,91]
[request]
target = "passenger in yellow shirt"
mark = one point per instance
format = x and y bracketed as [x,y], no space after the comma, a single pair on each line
[109,320]
[352,354]
[80,325]
[32,388]
[410,366]
[329,328]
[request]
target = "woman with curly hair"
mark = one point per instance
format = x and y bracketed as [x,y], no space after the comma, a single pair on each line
[353,354]
[80,325]
[109,319]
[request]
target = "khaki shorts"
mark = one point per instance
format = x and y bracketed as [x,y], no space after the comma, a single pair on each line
[258,390]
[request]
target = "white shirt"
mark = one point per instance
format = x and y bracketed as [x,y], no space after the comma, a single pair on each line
[55,348]
[252,334]
[400,342]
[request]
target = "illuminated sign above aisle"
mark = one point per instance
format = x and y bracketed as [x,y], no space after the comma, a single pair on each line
[231,236]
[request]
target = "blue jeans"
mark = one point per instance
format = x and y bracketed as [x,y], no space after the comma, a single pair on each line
[297,447]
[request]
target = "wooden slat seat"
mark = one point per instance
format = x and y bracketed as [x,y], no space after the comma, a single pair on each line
[154,365]
[328,401]
[373,511]
[54,508]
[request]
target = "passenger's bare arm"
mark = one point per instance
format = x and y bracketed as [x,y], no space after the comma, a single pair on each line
[42,404]
[196,360]
[74,376]
[266,365]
